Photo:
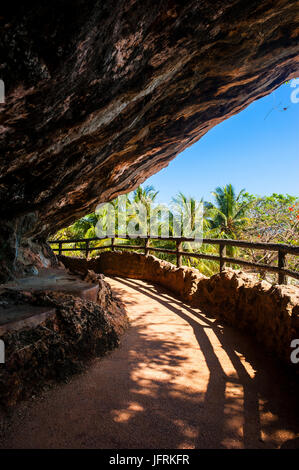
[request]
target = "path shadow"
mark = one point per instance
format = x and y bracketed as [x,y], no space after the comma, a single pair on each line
[143,395]
[259,395]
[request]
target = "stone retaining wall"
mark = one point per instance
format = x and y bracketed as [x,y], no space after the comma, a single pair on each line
[269,312]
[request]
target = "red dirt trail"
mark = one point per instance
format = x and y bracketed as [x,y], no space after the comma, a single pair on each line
[179,380]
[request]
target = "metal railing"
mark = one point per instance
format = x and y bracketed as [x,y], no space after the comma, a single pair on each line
[281,249]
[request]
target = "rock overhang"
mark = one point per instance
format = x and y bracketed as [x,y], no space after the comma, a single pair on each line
[101,95]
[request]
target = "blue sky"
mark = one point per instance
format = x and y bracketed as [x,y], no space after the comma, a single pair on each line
[257,149]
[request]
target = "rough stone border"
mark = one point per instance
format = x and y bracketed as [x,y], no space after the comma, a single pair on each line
[268,312]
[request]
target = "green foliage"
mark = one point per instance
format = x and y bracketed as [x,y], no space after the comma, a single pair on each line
[228,214]
[232,215]
[273,219]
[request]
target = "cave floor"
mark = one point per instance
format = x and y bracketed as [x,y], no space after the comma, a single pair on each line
[180,379]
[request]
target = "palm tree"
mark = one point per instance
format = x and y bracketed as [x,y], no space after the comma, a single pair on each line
[228,215]
[145,195]
[188,208]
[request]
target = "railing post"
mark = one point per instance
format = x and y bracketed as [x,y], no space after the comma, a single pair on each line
[221,255]
[112,244]
[146,246]
[178,256]
[86,248]
[59,248]
[281,265]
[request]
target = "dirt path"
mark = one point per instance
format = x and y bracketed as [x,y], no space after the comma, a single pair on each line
[179,380]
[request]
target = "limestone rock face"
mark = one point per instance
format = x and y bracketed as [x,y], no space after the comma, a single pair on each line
[101,95]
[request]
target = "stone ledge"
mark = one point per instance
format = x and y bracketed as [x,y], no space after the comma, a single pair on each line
[49,335]
[23,316]
[55,280]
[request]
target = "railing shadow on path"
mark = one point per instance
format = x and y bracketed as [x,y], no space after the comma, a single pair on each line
[180,379]
[258,393]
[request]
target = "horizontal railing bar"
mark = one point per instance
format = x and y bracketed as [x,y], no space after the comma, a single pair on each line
[69,249]
[139,247]
[243,262]
[136,247]
[83,249]
[266,267]
[290,249]
[291,273]
[282,248]
[254,245]
[187,254]
[77,240]
[162,250]
[200,256]
[229,260]
[98,247]
[226,241]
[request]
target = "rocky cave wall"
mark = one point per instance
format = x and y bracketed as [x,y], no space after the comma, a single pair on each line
[99,95]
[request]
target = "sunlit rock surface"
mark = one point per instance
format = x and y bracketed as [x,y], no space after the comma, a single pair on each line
[101,95]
